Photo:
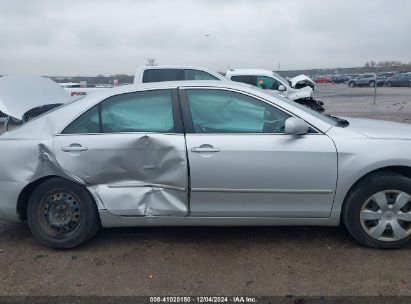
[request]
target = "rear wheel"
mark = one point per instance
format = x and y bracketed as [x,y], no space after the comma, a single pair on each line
[389,84]
[62,214]
[377,212]
[372,83]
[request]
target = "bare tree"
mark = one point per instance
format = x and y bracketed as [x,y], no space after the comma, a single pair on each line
[151,62]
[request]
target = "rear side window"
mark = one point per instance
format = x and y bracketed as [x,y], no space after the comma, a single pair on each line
[159,75]
[189,74]
[245,79]
[149,111]
[85,123]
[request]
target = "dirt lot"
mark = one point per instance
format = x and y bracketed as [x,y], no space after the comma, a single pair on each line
[211,261]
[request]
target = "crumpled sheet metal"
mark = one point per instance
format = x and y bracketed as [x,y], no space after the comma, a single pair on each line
[134,175]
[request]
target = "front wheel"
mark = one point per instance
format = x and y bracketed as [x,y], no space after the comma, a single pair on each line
[372,83]
[351,84]
[377,212]
[62,214]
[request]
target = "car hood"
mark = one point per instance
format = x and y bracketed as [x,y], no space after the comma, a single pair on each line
[302,79]
[20,93]
[379,128]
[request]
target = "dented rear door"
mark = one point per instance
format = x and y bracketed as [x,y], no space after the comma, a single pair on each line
[130,151]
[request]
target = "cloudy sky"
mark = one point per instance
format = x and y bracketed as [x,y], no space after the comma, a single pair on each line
[91,37]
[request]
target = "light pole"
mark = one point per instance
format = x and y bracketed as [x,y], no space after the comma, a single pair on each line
[375,85]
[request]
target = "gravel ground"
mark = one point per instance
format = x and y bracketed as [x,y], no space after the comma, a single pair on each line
[218,261]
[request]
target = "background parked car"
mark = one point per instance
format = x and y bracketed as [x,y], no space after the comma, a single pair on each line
[277,85]
[365,80]
[322,79]
[399,80]
[340,78]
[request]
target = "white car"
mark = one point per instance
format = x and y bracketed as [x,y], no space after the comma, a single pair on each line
[275,84]
[160,73]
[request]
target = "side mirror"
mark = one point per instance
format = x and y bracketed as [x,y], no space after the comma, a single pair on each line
[296,126]
[281,88]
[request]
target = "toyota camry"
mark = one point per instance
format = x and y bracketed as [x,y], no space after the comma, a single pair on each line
[200,153]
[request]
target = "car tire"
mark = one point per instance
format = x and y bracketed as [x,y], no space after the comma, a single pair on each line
[389,84]
[62,214]
[351,84]
[372,84]
[383,230]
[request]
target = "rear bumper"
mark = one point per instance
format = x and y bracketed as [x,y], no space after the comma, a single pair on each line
[9,193]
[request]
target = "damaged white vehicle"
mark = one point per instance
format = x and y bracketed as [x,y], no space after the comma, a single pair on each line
[201,153]
[300,88]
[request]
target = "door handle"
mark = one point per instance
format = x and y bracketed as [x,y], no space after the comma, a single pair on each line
[208,149]
[74,148]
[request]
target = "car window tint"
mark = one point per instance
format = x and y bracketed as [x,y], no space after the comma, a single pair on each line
[85,123]
[244,79]
[267,83]
[159,75]
[218,111]
[189,74]
[149,111]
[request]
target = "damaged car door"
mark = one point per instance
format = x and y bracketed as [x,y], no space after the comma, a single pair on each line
[242,164]
[129,150]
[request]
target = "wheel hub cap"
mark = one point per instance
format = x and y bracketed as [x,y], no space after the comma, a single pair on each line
[386,215]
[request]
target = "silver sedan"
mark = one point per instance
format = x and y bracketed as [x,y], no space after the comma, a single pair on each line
[203,153]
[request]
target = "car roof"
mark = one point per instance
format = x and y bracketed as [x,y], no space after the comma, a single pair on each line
[250,72]
[173,67]
[177,84]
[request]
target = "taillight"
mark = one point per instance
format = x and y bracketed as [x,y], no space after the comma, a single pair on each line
[78,93]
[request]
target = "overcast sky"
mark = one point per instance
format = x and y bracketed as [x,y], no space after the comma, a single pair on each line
[91,37]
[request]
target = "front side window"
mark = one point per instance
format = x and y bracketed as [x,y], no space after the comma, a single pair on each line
[267,83]
[189,74]
[219,111]
[149,111]
[159,75]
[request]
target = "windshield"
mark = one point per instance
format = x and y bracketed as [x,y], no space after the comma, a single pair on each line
[280,78]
